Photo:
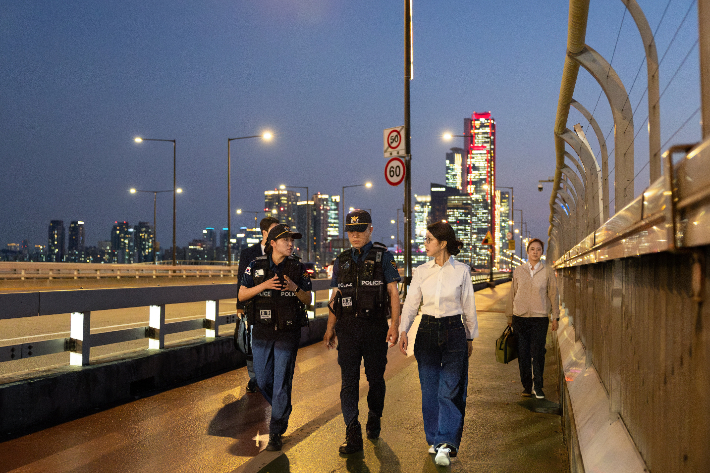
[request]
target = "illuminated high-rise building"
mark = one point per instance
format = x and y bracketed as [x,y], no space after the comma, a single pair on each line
[503,217]
[480,131]
[325,223]
[455,169]
[439,194]
[75,248]
[143,242]
[282,204]
[122,243]
[55,241]
[459,212]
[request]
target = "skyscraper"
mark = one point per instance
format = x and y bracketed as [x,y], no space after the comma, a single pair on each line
[325,223]
[143,244]
[281,204]
[455,169]
[55,241]
[75,249]
[122,243]
[480,131]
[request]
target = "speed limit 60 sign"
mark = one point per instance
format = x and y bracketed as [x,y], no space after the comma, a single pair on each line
[394,171]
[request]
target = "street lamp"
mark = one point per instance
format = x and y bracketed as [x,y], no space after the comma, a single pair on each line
[368,184]
[266,136]
[138,139]
[308,217]
[155,203]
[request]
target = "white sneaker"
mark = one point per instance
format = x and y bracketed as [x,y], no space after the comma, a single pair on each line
[442,456]
[432,449]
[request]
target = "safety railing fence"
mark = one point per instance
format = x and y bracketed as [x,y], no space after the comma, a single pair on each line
[19,271]
[81,303]
[634,285]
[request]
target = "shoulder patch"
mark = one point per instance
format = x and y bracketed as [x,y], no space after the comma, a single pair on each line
[394,265]
[248,270]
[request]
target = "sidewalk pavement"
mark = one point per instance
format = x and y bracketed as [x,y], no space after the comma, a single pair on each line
[502,432]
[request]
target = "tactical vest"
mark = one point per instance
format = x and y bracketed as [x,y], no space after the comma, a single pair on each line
[363,291]
[279,309]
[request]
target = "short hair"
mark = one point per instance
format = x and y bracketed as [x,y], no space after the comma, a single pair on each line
[266,222]
[535,240]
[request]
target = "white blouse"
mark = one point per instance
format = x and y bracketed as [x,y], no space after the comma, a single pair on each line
[445,291]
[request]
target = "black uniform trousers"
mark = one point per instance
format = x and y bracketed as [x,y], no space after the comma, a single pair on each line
[362,339]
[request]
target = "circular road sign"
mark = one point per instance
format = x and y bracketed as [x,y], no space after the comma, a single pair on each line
[394,171]
[394,139]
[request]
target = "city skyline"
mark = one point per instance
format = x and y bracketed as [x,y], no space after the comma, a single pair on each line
[81,80]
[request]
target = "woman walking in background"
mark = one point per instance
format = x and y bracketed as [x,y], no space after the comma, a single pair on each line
[444,338]
[533,296]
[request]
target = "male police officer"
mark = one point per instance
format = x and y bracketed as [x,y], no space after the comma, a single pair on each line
[277,287]
[247,256]
[366,279]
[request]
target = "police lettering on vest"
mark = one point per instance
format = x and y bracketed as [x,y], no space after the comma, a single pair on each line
[281,309]
[362,285]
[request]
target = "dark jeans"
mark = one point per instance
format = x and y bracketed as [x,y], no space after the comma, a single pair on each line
[442,355]
[274,363]
[360,339]
[532,333]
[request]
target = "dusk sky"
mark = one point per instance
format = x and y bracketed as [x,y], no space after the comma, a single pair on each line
[81,79]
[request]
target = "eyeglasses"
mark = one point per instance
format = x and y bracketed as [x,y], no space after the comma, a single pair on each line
[429,240]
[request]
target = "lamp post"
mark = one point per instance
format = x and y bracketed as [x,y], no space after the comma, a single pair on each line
[308,217]
[155,207]
[266,136]
[342,201]
[138,139]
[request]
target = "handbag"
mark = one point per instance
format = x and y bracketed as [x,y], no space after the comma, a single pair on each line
[242,336]
[507,346]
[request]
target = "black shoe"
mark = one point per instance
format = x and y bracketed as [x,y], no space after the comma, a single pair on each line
[526,392]
[252,387]
[275,443]
[353,439]
[373,427]
[537,392]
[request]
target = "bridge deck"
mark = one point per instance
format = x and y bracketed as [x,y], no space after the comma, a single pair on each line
[213,425]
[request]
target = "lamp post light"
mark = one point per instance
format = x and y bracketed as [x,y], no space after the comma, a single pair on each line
[155,208]
[266,136]
[138,139]
[368,184]
[308,217]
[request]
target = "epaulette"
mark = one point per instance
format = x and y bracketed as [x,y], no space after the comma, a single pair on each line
[261,257]
[295,257]
[379,245]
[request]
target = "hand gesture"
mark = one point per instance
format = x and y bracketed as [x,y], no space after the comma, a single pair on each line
[290,285]
[273,283]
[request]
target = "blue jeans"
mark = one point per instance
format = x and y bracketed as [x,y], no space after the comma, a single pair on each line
[442,354]
[532,334]
[274,363]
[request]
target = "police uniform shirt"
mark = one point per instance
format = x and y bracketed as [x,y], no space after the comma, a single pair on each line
[389,265]
[304,283]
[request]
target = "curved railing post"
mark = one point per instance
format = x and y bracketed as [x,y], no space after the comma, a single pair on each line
[622,113]
[654,106]
[604,155]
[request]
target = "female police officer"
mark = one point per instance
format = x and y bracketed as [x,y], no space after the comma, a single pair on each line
[276,287]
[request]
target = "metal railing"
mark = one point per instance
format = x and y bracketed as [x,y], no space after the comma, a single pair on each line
[14,271]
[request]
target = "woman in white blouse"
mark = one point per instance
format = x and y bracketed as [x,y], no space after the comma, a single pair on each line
[444,339]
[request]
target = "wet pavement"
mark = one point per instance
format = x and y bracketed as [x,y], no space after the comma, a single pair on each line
[214,426]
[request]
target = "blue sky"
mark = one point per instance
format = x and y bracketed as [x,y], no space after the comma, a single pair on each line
[80,79]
